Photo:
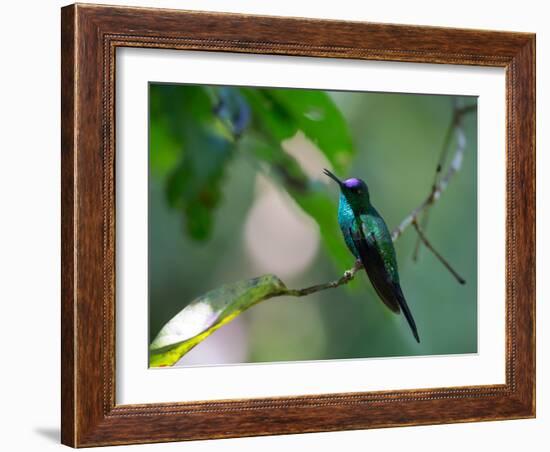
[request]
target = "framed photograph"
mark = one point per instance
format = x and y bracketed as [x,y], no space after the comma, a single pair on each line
[282,225]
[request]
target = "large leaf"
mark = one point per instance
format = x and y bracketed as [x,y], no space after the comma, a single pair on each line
[315,114]
[269,117]
[280,113]
[204,315]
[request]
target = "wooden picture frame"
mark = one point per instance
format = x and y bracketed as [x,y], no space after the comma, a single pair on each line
[90,36]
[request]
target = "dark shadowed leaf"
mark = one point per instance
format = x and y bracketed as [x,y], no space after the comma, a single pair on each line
[204,315]
[188,142]
[195,133]
[232,109]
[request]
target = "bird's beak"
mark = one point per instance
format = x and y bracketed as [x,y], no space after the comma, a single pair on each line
[332,176]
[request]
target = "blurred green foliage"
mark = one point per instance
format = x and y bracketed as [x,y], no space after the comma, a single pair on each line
[207,144]
[195,131]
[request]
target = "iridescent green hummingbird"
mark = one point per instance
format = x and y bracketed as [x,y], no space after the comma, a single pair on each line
[368,238]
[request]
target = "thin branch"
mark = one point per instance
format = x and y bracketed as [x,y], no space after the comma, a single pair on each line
[456,123]
[426,242]
[344,279]
[442,184]
[446,145]
[438,169]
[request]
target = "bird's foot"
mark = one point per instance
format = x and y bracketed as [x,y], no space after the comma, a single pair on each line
[350,274]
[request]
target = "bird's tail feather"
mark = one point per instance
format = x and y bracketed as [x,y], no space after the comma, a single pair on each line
[395,292]
[405,308]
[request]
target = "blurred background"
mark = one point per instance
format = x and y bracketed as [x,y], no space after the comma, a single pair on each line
[236,191]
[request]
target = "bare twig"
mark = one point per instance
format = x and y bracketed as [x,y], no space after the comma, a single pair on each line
[455,125]
[440,186]
[426,242]
[438,169]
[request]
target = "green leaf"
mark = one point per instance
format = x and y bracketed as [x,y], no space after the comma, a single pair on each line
[319,118]
[204,315]
[269,117]
[206,146]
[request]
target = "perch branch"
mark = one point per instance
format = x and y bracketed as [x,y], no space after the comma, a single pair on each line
[344,279]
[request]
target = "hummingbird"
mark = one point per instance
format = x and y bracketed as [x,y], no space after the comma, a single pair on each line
[369,240]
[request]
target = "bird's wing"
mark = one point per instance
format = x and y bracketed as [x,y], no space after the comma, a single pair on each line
[371,253]
[378,235]
[373,262]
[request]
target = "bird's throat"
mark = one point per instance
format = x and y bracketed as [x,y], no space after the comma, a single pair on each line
[356,206]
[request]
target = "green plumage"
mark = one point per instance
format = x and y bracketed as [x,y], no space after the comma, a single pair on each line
[369,240]
[373,225]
